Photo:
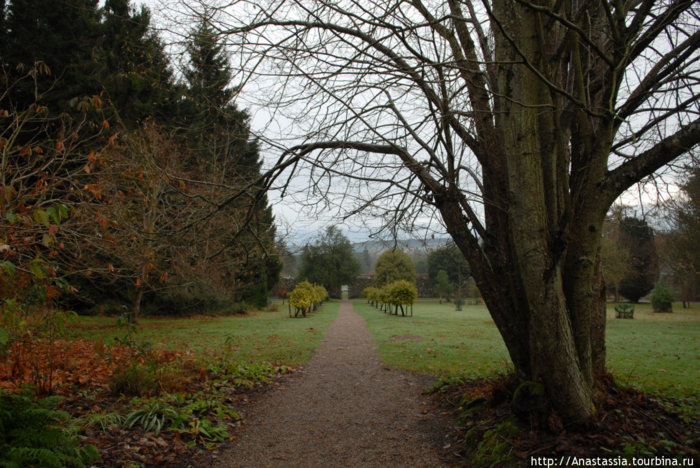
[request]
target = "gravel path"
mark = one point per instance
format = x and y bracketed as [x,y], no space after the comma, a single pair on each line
[345,409]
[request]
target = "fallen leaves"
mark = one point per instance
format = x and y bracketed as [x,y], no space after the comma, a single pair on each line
[67,363]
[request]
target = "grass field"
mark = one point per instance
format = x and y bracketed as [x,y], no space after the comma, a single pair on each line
[262,335]
[438,340]
[654,352]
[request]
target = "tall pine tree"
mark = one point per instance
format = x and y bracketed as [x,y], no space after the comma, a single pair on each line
[218,133]
[62,35]
[135,69]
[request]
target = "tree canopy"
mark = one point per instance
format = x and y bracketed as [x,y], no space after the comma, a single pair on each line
[118,181]
[394,265]
[450,260]
[329,260]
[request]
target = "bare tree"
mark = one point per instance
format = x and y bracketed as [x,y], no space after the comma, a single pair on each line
[516,124]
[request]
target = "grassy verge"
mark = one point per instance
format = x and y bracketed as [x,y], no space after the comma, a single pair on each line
[184,391]
[657,353]
[259,336]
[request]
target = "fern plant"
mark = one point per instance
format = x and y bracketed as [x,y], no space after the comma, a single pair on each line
[32,433]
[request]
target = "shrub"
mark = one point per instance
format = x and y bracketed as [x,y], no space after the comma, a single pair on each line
[307,295]
[662,298]
[300,299]
[370,293]
[137,380]
[402,292]
[319,294]
[398,293]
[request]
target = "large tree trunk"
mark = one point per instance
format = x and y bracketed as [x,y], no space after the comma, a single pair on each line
[599,319]
[553,236]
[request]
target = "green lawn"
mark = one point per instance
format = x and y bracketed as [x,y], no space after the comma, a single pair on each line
[259,336]
[438,340]
[655,352]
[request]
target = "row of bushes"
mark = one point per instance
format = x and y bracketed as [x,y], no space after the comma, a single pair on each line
[397,294]
[306,297]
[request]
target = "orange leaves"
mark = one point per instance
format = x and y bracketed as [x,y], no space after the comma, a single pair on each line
[103,222]
[26,151]
[87,363]
[94,190]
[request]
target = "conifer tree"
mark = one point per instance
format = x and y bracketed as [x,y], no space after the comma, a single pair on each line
[638,239]
[135,70]
[218,135]
[62,35]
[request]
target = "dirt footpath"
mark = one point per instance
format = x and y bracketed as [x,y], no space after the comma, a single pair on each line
[345,409]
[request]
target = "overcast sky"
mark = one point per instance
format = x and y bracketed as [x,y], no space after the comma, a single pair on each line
[293,217]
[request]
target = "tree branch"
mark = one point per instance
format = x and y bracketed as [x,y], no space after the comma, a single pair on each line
[621,178]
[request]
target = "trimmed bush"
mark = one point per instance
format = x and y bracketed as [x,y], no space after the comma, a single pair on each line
[397,293]
[370,293]
[402,292]
[307,297]
[662,298]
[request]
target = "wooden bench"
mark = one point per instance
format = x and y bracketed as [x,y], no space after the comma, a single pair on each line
[624,311]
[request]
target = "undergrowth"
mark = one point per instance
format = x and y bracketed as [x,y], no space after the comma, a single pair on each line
[34,433]
[504,423]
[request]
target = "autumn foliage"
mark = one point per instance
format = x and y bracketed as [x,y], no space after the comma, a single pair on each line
[67,364]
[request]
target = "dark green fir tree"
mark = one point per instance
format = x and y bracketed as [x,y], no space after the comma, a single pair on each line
[219,137]
[63,36]
[135,70]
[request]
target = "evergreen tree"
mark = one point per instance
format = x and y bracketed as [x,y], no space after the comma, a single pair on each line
[135,69]
[443,286]
[365,261]
[450,260]
[638,239]
[329,261]
[62,35]
[218,136]
[3,34]
[217,131]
